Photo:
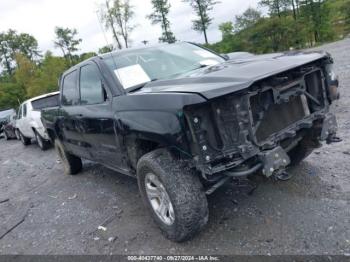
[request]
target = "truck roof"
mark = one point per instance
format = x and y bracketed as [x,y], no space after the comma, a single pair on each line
[133,49]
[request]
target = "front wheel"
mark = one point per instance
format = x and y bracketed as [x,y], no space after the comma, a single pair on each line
[71,163]
[42,143]
[173,194]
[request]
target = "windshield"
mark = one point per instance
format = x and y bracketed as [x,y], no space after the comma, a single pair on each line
[140,66]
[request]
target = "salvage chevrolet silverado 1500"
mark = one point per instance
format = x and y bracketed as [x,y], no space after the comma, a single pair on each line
[185,120]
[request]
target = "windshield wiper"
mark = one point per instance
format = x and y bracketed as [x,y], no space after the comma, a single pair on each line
[198,67]
[138,87]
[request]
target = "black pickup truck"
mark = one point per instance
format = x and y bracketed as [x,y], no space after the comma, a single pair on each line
[185,120]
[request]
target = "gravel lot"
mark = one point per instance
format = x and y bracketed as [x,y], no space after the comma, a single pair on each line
[60,214]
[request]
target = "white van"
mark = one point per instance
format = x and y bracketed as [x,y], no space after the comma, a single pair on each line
[29,124]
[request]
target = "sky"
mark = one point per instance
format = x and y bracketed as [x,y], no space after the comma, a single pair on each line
[40,17]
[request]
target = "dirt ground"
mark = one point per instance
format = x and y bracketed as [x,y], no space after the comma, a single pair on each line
[58,214]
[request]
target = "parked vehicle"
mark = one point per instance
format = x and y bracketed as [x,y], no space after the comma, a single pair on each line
[10,128]
[6,116]
[29,125]
[185,121]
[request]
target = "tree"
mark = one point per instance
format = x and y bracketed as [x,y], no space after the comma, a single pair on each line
[315,15]
[12,43]
[11,95]
[106,49]
[202,9]
[275,6]
[67,41]
[109,21]
[48,73]
[226,29]
[346,12]
[249,18]
[117,16]
[25,73]
[294,4]
[124,17]
[160,13]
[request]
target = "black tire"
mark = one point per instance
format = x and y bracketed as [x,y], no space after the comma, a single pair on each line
[6,136]
[299,153]
[71,163]
[42,143]
[25,140]
[184,190]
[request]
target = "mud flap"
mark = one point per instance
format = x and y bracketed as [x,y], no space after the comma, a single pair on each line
[329,127]
[274,160]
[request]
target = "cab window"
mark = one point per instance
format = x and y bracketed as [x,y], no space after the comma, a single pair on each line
[91,87]
[70,91]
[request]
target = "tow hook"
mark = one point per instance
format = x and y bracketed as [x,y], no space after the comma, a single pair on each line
[282,175]
[274,160]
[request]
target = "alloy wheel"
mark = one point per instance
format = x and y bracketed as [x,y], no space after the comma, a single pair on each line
[159,199]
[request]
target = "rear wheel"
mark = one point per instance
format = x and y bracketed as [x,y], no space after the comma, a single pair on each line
[25,140]
[42,143]
[173,194]
[71,163]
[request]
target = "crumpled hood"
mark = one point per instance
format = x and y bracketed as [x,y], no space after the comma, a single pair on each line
[233,75]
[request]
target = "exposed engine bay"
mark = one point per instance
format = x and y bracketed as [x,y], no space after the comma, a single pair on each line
[255,128]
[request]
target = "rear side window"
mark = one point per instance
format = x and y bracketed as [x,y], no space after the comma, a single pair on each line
[45,102]
[70,91]
[91,88]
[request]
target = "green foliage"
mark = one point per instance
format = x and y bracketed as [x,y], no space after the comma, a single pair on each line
[26,73]
[160,13]
[275,7]
[315,15]
[249,18]
[47,75]
[31,79]
[10,95]
[11,43]
[106,49]
[226,30]
[292,24]
[202,9]
[346,13]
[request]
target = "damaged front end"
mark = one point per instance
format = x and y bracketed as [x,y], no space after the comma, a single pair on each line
[256,128]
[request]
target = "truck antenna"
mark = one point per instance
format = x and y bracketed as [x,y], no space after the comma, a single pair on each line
[106,39]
